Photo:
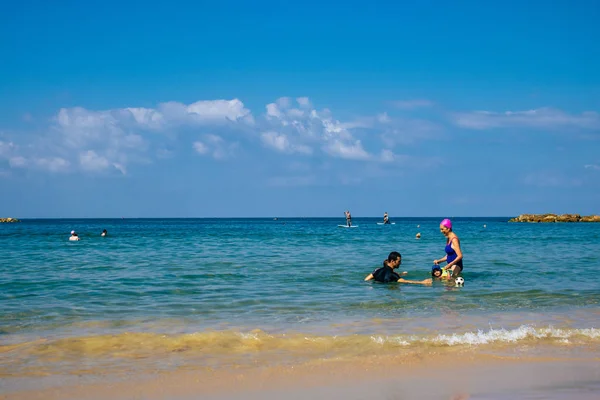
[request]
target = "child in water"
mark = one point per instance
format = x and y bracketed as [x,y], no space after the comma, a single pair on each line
[439,273]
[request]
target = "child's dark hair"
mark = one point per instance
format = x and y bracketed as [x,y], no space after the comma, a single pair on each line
[434,270]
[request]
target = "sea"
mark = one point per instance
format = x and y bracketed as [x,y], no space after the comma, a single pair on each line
[166,294]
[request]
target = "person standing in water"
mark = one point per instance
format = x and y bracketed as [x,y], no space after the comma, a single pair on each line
[454,255]
[348,218]
[74,236]
[386,219]
[104,233]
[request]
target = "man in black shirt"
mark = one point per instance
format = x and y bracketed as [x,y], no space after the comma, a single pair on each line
[387,274]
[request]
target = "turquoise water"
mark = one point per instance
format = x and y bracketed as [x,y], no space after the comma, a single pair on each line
[162,294]
[306,275]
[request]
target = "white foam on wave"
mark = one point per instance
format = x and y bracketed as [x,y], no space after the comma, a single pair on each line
[502,335]
[393,340]
[510,336]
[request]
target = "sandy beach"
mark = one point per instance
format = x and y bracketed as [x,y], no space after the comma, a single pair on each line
[453,375]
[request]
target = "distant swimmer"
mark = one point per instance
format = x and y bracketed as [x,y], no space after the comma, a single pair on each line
[348,218]
[74,236]
[386,219]
[454,256]
[387,274]
[418,235]
[104,233]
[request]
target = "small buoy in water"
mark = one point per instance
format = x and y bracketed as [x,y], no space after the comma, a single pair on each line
[484,225]
[418,226]
[418,235]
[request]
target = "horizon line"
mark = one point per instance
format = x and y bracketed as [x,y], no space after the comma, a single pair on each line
[263,217]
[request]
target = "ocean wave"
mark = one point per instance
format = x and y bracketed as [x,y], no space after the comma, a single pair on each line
[223,342]
[231,348]
[524,332]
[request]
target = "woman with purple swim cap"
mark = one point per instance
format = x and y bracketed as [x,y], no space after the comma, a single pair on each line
[454,256]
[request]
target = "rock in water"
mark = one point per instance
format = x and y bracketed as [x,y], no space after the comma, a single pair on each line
[2,220]
[590,218]
[555,218]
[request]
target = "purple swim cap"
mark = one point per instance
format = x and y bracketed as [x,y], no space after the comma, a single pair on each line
[447,223]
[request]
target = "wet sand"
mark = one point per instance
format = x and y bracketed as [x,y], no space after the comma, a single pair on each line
[424,376]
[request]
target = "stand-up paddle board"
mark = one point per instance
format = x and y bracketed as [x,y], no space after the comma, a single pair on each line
[383,223]
[346,226]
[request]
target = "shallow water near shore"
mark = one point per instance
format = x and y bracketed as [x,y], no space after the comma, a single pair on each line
[166,294]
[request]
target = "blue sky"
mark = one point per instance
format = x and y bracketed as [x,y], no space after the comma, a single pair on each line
[202,109]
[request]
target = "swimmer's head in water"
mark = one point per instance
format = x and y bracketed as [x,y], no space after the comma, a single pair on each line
[394,259]
[72,232]
[436,271]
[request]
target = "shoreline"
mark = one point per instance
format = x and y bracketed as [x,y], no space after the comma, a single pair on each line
[455,376]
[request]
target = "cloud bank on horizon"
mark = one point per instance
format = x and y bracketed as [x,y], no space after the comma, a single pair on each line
[79,140]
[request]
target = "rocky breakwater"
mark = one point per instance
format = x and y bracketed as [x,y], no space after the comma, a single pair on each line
[555,218]
[2,220]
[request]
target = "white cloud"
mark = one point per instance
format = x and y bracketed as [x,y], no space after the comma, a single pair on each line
[383,118]
[79,128]
[273,111]
[284,102]
[113,138]
[91,161]
[349,151]
[214,110]
[595,167]
[281,143]
[277,141]
[17,162]
[200,147]
[299,129]
[6,149]
[166,115]
[215,146]
[412,104]
[304,102]
[543,118]
[102,140]
[52,164]
[387,156]
[295,113]
[147,117]
[405,131]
